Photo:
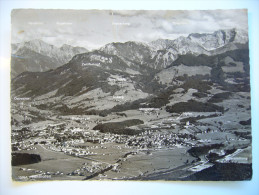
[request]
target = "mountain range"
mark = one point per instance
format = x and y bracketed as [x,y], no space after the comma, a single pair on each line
[161,53]
[36,55]
[141,74]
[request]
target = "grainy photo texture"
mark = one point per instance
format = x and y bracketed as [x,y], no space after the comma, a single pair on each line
[130,95]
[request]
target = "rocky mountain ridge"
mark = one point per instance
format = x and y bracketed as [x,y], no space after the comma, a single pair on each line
[161,53]
[25,56]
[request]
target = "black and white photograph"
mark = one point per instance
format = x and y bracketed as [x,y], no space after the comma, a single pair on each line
[143,95]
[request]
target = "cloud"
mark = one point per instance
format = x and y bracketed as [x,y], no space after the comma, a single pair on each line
[95,28]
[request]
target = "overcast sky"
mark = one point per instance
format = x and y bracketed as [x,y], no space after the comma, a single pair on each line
[95,28]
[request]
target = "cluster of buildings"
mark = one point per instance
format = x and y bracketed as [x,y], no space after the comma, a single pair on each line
[88,168]
[58,137]
[150,139]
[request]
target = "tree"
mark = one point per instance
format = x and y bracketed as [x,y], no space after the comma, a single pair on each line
[217,75]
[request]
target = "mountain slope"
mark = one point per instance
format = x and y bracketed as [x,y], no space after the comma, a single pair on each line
[124,75]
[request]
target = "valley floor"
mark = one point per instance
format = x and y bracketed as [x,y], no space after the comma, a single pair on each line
[137,144]
[165,147]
